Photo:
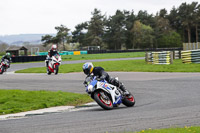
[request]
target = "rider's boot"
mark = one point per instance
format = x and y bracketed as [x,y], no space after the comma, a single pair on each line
[126,93]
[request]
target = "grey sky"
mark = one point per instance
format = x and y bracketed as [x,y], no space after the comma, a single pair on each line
[41,16]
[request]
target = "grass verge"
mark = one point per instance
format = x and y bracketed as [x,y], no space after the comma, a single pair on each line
[13,101]
[102,56]
[125,65]
[186,129]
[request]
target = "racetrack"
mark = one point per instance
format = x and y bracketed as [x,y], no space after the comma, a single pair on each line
[162,100]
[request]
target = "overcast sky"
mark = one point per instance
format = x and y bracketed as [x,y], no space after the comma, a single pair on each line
[41,16]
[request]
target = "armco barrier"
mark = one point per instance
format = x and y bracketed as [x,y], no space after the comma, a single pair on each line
[132,50]
[28,58]
[164,57]
[191,56]
[65,53]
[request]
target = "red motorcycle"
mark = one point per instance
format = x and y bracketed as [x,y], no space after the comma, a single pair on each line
[4,66]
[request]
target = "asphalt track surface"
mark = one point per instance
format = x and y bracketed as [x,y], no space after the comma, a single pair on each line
[162,100]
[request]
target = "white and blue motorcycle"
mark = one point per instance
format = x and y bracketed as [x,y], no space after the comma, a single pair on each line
[106,95]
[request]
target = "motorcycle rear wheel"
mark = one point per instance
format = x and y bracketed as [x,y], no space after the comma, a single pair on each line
[104,103]
[129,101]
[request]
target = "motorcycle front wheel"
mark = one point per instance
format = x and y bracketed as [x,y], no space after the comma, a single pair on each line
[2,69]
[56,69]
[48,72]
[103,100]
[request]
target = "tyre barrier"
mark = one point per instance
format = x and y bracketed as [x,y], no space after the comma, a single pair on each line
[164,57]
[190,56]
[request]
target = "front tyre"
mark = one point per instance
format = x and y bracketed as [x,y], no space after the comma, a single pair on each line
[129,101]
[56,69]
[2,69]
[48,72]
[103,100]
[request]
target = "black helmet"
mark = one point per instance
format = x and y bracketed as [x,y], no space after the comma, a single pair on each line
[88,68]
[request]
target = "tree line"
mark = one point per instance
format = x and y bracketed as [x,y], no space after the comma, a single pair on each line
[127,30]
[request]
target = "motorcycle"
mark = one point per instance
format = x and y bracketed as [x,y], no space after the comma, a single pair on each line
[4,66]
[106,95]
[54,63]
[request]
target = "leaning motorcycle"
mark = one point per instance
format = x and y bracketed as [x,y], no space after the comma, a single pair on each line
[106,95]
[4,65]
[54,63]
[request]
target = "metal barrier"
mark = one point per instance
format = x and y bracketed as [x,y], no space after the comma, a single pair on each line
[191,56]
[164,57]
[132,50]
[65,53]
[28,58]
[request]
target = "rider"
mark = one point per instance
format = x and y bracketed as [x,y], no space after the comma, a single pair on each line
[51,53]
[7,56]
[89,69]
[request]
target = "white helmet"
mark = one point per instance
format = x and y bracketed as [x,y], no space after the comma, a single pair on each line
[54,47]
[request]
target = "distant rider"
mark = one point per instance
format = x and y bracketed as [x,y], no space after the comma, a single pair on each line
[8,57]
[51,53]
[89,69]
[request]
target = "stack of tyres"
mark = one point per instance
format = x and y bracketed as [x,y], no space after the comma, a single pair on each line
[191,56]
[163,57]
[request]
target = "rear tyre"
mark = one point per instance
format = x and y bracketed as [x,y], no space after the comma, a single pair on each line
[104,103]
[129,101]
[56,69]
[2,69]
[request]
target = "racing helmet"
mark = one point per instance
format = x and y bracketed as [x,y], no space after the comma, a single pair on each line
[88,68]
[54,47]
[8,54]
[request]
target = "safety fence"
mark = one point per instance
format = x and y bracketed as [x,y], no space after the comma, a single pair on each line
[64,53]
[164,57]
[191,56]
[28,58]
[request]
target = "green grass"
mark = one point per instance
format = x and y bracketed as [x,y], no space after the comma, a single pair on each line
[13,101]
[186,129]
[102,56]
[126,66]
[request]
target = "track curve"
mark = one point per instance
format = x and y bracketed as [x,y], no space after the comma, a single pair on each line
[162,100]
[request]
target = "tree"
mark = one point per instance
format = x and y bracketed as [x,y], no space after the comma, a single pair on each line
[142,35]
[115,31]
[61,37]
[62,34]
[186,15]
[95,29]
[163,13]
[145,18]
[168,40]
[130,18]
[3,47]
[197,21]
[78,35]
[162,27]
